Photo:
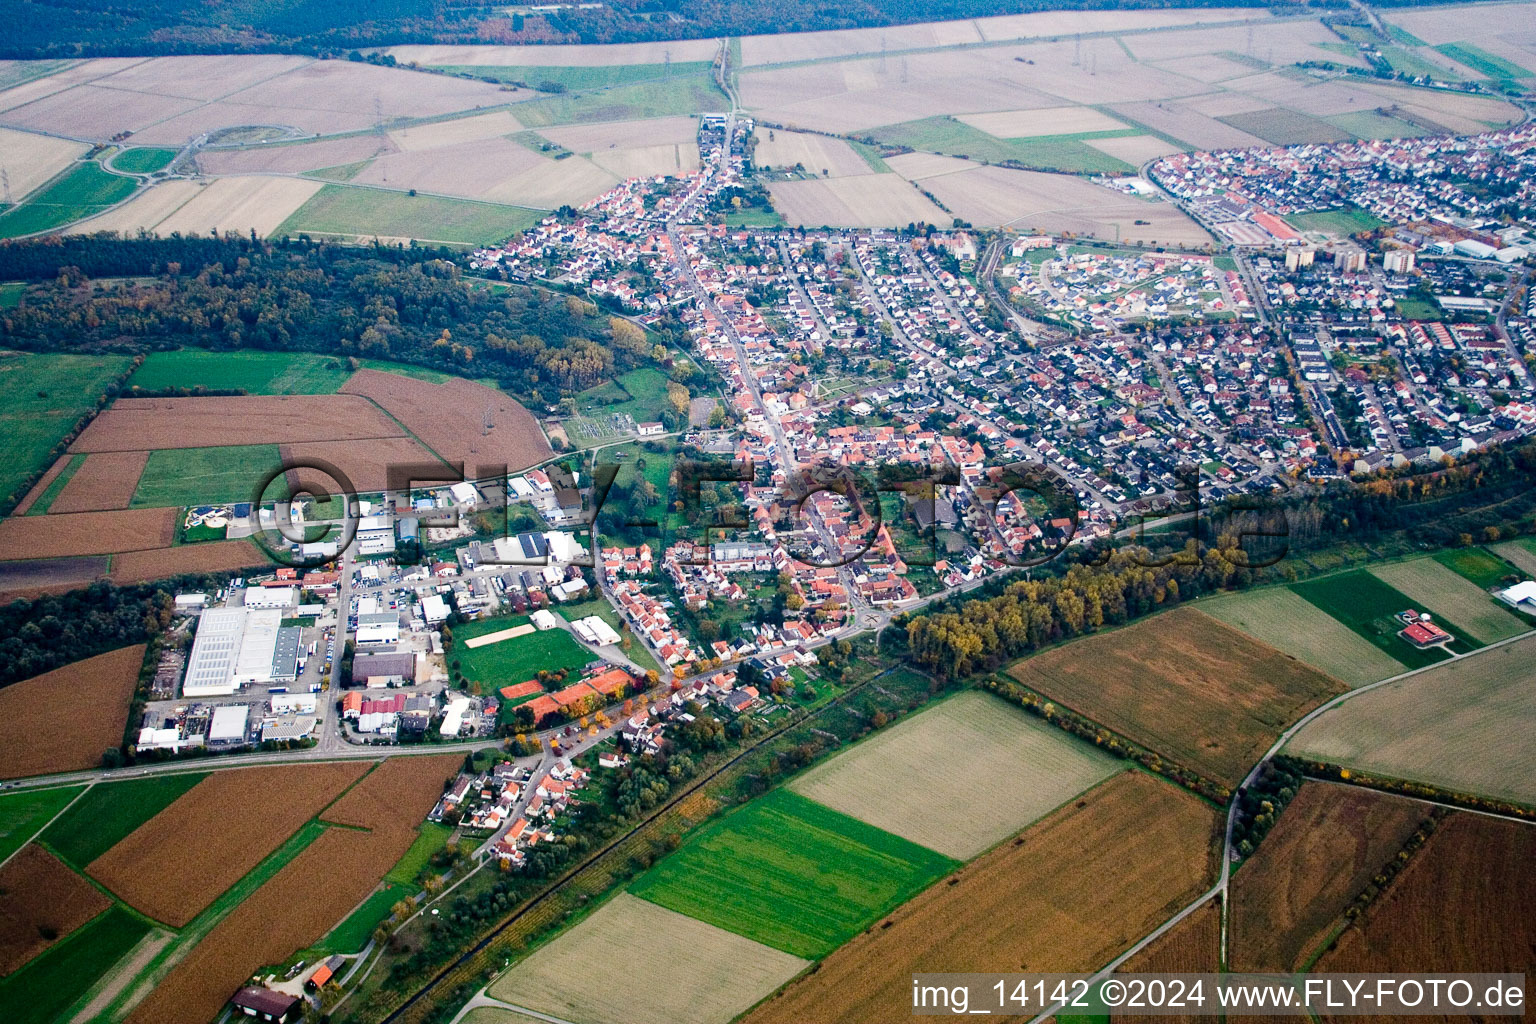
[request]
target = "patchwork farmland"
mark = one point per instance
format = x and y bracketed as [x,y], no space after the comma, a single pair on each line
[41,902]
[1411,728]
[1286,621]
[1067,895]
[36,739]
[1184,685]
[973,769]
[1475,610]
[682,970]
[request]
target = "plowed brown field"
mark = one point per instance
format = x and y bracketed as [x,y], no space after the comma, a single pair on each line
[43,481]
[139,424]
[1325,848]
[451,417]
[87,533]
[179,861]
[1066,895]
[309,895]
[65,720]
[105,480]
[366,463]
[214,556]
[41,901]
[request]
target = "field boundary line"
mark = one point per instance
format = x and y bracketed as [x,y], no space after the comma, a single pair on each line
[84,790]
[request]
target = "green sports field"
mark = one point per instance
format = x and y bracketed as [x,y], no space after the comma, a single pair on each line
[791,874]
[110,811]
[24,812]
[45,396]
[516,660]
[1344,221]
[1367,605]
[254,372]
[197,476]
[51,983]
[363,213]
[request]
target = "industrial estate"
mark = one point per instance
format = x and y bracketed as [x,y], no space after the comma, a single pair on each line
[704,527]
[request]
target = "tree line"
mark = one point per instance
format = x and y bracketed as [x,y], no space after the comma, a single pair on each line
[382,303]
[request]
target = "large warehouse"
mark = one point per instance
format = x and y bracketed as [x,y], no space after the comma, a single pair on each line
[237,646]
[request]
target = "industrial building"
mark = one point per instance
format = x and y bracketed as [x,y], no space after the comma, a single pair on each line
[238,646]
[384,668]
[378,628]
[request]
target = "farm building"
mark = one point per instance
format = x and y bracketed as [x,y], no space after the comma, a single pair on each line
[1521,597]
[237,646]
[267,1005]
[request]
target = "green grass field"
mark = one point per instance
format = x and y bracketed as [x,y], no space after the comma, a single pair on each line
[353,933]
[1403,36]
[791,874]
[1368,124]
[753,217]
[23,813]
[1345,221]
[362,213]
[51,983]
[516,660]
[1411,308]
[110,811]
[689,94]
[580,77]
[1483,62]
[1520,552]
[433,837]
[45,396]
[1367,605]
[1407,62]
[143,160]
[1476,565]
[640,393]
[45,500]
[81,192]
[1285,127]
[196,476]
[1069,153]
[255,372]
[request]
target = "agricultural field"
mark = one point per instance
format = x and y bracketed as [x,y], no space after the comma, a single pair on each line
[32,160]
[1483,62]
[1290,623]
[450,418]
[23,814]
[1369,607]
[516,660]
[35,739]
[1286,127]
[1519,553]
[50,984]
[99,481]
[220,556]
[41,902]
[790,873]
[1478,566]
[81,192]
[1413,728]
[1193,946]
[40,499]
[197,476]
[784,150]
[143,160]
[1028,141]
[156,872]
[431,839]
[110,811]
[1465,902]
[869,200]
[1184,685]
[1068,894]
[355,931]
[47,395]
[683,94]
[359,214]
[148,424]
[974,770]
[86,533]
[580,77]
[254,372]
[1327,845]
[676,970]
[1470,608]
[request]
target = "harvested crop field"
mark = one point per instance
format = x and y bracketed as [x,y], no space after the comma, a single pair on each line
[49,575]
[974,770]
[395,795]
[41,901]
[139,424]
[293,159]
[217,556]
[1466,902]
[868,200]
[1519,553]
[1288,621]
[790,873]
[1462,601]
[1193,946]
[450,419]
[1017,124]
[1068,895]
[1327,845]
[157,871]
[241,205]
[146,209]
[593,138]
[816,153]
[109,812]
[675,970]
[1182,684]
[1421,727]
[449,133]
[31,160]
[62,720]
[674,158]
[106,480]
[366,463]
[1369,607]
